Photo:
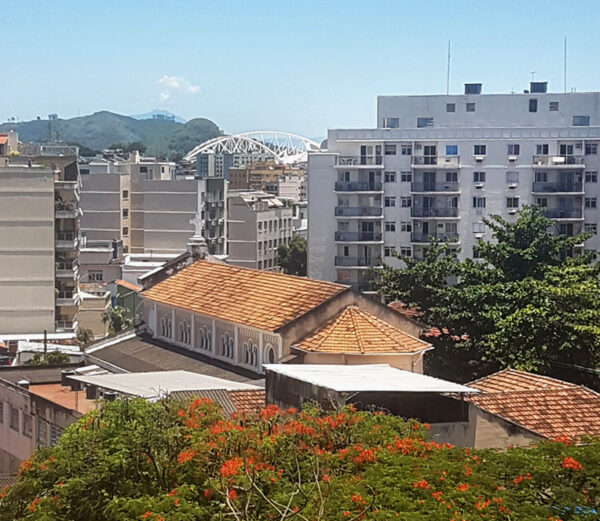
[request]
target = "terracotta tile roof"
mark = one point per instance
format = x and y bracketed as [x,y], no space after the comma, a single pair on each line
[355,331]
[550,413]
[3,139]
[128,285]
[405,310]
[248,402]
[255,298]
[511,380]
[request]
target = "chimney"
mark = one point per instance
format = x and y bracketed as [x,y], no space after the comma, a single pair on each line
[473,88]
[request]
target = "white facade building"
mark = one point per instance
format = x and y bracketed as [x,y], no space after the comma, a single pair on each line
[436,166]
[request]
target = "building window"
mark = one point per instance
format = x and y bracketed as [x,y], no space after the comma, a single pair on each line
[470,107]
[227,346]
[389,177]
[205,339]
[185,332]
[388,251]
[406,251]
[406,150]
[95,276]
[125,213]
[479,150]
[541,177]
[476,252]
[512,202]
[390,226]
[389,150]
[451,150]
[553,106]
[581,121]
[125,231]
[541,150]
[478,202]
[479,177]
[14,418]
[406,177]
[532,105]
[542,202]
[389,201]
[27,425]
[424,122]
[590,202]
[250,353]
[450,107]
[391,122]
[591,177]
[513,149]
[512,177]
[406,202]
[590,227]
[406,226]
[479,227]
[125,195]
[165,327]
[270,354]
[451,177]
[591,149]
[84,171]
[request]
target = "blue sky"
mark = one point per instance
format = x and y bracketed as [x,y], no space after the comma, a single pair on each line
[280,65]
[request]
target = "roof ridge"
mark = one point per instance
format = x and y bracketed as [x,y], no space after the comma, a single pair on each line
[377,323]
[359,341]
[332,323]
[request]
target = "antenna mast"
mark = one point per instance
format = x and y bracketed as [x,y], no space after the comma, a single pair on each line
[565,67]
[448,72]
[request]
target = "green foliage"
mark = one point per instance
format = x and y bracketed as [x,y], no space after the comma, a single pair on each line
[117,319]
[52,358]
[175,461]
[84,336]
[292,257]
[525,304]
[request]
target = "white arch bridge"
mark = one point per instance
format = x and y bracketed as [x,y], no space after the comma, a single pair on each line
[283,147]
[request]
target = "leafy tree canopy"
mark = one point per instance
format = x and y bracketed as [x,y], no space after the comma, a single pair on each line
[525,303]
[52,358]
[117,319]
[292,257]
[170,461]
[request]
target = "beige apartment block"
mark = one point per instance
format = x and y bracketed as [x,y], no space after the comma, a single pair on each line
[257,224]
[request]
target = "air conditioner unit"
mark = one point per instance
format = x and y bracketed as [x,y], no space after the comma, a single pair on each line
[512,158]
[479,159]
[512,186]
[479,235]
[512,211]
[479,185]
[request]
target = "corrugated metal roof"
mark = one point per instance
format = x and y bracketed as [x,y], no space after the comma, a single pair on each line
[367,378]
[35,374]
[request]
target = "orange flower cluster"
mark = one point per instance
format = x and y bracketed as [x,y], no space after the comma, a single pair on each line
[231,467]
[570,463]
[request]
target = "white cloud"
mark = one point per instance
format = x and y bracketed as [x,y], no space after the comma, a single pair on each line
[172,85]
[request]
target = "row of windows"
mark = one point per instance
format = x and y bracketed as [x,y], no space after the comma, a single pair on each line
[26,428]
[404,251]
[274,224]
[591,176]
[272,243]
[480,226]
[390,201]
[512,149]
[405,226]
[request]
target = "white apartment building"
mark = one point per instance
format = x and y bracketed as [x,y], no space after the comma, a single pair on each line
[39,239]
[436,166]
[258,223]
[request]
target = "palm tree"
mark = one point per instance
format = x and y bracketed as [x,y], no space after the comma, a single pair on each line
[117,319]
[84,336]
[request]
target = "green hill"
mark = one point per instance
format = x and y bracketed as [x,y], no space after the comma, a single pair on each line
[98,131]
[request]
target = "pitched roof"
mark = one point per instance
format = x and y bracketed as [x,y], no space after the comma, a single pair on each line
[248,402]
[512,380]
[128,285]
[256,298]
[553,412]
[543,405]
[403,309]
[355,331]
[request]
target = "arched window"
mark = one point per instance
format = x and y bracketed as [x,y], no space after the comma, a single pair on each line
[246,353]
[270,354]
[208,337]
[163,326]
[230,352]
[169,328]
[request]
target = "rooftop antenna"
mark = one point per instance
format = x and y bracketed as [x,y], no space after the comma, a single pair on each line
[533,75]
[565,67]
[448,72]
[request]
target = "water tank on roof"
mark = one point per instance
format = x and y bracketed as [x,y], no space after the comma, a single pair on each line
[473,88]
[538,87]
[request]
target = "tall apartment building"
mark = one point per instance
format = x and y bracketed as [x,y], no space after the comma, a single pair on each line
[39,240]
[436,166]
[257,224]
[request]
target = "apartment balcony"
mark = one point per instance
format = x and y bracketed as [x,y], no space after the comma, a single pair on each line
[359,237]
[359,161]
[67,270]
[351,186]
[67,298]
[359,211]
[425,238]
[66,210]
[66,325]
[66,240]
[558,213]
[437,161]
[61,184]
[558,161]
[358,262]
[558,188]
[434,187]
[433,212]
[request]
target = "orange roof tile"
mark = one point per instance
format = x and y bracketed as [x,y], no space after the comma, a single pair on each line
[551,412]
[405,310]
[356,331]
[3,139]
[511,380]
[248,402]
[128,285]
[260,299]
[63,396]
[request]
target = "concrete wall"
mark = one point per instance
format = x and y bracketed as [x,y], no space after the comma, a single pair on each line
[101,200]
[27,272]
[90,314]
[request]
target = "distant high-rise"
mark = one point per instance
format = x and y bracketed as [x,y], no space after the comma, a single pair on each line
[436,166]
